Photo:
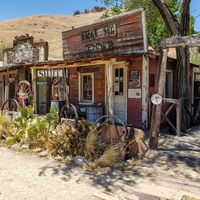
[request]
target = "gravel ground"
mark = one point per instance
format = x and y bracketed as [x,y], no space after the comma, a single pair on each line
[171,172]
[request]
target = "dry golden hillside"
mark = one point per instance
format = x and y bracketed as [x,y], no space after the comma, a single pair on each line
[44,27]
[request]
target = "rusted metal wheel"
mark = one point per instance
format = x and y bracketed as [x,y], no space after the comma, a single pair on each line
[69,111]
[24,93]
[110,120]
[10,107]
[113,131]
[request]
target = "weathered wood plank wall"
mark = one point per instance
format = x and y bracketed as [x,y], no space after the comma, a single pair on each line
[121,35]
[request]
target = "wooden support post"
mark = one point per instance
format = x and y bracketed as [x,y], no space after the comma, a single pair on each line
[66,86]
[145,87]
[33,72]
[109,88]
[178,118]
[156,111]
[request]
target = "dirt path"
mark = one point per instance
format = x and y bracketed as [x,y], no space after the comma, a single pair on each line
[171,173]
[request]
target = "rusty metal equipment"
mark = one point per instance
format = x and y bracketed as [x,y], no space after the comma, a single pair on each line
[10,107]
[69,111]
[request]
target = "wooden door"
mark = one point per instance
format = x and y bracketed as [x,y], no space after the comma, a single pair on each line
[43,96]
[120,92]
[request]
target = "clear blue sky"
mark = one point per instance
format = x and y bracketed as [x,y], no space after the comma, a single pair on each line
[20,8]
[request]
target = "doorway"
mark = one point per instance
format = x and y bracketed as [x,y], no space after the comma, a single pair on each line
[120,92]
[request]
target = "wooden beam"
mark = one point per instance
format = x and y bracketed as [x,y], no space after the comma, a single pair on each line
[169,110]
[178,41]
[168,100]
[156,112]
[178,118]
[34,86]
[145,90]
[109,88]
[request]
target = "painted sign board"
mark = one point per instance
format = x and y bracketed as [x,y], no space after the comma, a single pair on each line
[124,34]
[50,73]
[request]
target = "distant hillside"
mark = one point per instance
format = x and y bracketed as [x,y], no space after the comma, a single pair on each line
[44,28]
[49,28]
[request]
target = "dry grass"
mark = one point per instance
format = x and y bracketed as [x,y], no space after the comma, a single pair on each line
[6,127]
[111,157]
[95,143]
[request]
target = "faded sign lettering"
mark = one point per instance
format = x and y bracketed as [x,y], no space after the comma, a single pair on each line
[99,47]
[99,33]
[49,73]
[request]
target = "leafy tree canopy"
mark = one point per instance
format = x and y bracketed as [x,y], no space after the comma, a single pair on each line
[156,27]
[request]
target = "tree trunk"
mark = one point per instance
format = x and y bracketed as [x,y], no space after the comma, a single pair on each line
[156,111]
[182,75]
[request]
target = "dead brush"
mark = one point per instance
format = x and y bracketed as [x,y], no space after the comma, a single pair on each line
[95,144]
[6,127]
[112,156]
[68,140]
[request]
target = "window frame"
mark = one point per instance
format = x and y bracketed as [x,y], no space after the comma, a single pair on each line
[80,88]
[171,88]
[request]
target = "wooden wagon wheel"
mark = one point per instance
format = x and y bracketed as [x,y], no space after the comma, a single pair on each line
[24,93]
[9,107]
[69,111]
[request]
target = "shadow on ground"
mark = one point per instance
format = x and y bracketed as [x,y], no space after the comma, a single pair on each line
[177,158]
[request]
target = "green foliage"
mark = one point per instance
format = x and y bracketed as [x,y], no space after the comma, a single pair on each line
[52,117]
[2,47]
[116,9]
[27,127]
[196,59]
[105,15]
[17,138]
[156,27]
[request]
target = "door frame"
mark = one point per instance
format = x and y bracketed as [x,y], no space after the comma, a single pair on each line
[125,86]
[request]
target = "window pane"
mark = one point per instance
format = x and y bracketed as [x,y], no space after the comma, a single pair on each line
[168,85]
[87,87]
[119,84]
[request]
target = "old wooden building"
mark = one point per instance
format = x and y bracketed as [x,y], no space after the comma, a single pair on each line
[111,68]
[16,64]
[107,69]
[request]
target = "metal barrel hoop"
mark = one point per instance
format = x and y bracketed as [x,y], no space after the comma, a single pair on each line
[72,110]
[113,117]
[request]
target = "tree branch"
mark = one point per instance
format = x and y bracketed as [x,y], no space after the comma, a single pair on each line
[168,17]
[185,18]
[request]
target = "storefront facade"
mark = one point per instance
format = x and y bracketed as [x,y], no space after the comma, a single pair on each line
[50,86]
[17,62]
[110,66]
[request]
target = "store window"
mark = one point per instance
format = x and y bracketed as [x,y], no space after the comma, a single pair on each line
[52,88]
[86,87]
[169,84]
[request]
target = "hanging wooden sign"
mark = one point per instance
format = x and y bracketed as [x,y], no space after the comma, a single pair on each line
[119,35]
